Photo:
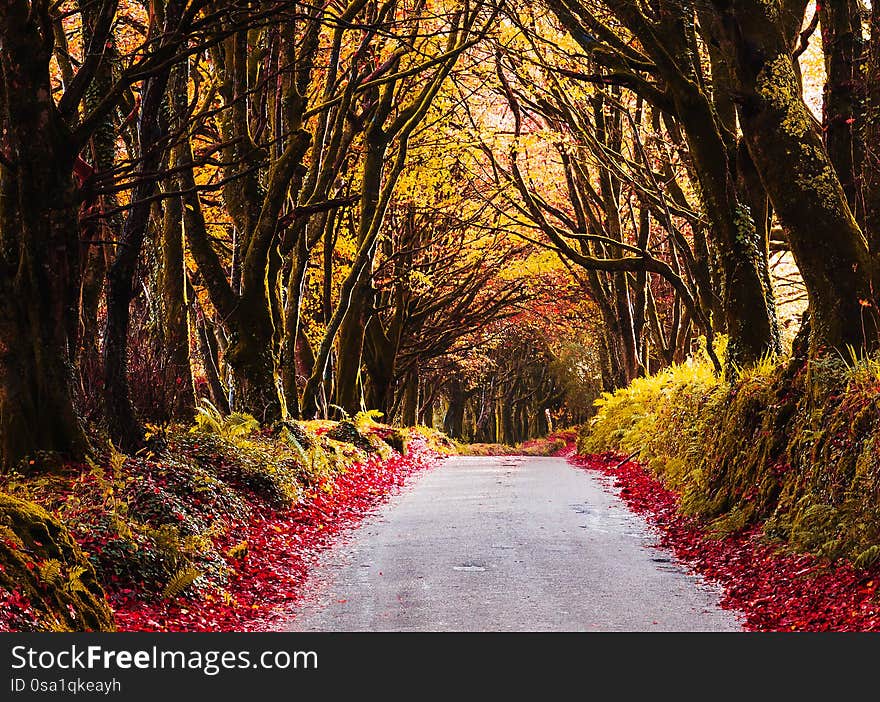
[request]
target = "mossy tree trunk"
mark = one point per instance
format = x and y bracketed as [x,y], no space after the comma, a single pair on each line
[30,540]
[807,196]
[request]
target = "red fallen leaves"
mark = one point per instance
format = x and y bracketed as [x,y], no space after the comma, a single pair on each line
[282,546]
[567,451]
[775,591]
[16,611]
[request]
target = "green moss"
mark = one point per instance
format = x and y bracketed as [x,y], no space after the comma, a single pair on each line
[796,454]
[778,85]
[41,561]
[150,522]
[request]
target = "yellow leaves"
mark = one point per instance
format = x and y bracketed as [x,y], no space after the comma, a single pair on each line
[419,282]
[238,551]
[538,263]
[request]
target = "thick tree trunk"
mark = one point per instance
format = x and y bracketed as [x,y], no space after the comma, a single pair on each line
[252,361]
[380,356]
[509,433]
[39,254]
[807,196]
[410,407]
[453,421]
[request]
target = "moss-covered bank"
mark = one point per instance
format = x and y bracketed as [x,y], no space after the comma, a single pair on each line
[793,448]
[39,561]
[165,524]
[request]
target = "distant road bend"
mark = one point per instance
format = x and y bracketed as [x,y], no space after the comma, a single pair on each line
[506,544]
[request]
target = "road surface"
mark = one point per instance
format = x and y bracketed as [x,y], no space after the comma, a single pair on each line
[506,544]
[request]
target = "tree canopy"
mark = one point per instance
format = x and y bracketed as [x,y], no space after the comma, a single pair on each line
[474,214]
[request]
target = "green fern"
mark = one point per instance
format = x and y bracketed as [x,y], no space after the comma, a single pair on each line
[239,424]
[180,581]
[208,417]
[301,454]
[50,571]
[74,584]
[210,420]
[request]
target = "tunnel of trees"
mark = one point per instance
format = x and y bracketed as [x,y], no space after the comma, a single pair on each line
[471,214]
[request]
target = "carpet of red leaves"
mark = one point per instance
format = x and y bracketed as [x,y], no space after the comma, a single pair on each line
[775,591]
[282,547]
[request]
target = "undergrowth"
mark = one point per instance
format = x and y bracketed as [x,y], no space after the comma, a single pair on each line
[548,445]
[158,526]
[793,448]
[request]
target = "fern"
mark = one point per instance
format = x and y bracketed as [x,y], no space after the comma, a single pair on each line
[74,584]
[180,581]
[298,448]
[166,540]
[211,421]
[208,417]
[50,571]
[239,424]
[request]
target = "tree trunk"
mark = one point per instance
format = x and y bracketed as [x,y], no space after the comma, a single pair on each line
[351,344]
[39,254]
[453,421]
[807,196]
[409,410]
[175,306]
[250,357]
[208,351]
[380,356]
[747,297]
[841,43]
[293,324]
[124,426]
[870,167]
[354,324]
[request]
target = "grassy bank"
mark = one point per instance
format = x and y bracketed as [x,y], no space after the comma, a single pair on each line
[794,449]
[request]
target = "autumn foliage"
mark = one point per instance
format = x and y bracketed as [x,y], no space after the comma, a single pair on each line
[211,534]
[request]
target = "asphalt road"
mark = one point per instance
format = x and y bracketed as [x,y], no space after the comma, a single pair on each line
[506,544]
